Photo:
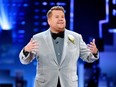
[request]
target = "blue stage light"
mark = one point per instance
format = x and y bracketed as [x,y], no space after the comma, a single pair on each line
[114,12]
[36,23]
[43,17]
[13,22]
[44,23]
[25,5]
[36,3]
[44,10]
[4,19]
[21,13]
[36,17]
[61,3]
[35,29]
[114,2]
[72,15]
[52,3]
[44,3]
[112,30]
[36,10]
[13,4]
[19,5]
[21,31]
[23,23]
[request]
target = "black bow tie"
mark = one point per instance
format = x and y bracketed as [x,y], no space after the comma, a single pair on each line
[55,35]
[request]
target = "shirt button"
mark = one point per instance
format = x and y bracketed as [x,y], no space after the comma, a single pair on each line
[57,42]
[58,54]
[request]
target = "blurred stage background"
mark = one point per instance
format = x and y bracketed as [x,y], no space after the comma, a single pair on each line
[20,19]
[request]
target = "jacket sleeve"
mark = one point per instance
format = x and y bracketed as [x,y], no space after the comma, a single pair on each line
[26,59]
[85,54]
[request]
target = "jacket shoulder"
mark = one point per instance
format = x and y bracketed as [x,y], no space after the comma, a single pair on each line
[73,33]
[39,34]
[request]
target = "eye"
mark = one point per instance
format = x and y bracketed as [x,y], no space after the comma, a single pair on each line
[56,17]
[62,16]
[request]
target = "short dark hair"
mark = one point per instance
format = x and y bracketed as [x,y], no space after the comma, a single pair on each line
[54,8]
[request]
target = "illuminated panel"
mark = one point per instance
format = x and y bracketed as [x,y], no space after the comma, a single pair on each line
[112,30]
[114,14]
[106,20]
[81,75]
[114,1]
[101,22]
[114,10]
[72,15]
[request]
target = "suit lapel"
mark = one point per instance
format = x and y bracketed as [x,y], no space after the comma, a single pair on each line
[50,45]
[65,47]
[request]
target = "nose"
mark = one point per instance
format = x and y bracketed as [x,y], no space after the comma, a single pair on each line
[61,19]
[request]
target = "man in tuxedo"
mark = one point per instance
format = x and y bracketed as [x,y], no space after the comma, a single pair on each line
[57,51]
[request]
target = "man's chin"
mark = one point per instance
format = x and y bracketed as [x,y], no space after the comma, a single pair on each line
[61,29]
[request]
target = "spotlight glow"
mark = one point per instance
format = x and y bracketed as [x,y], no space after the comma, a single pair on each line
[5,24]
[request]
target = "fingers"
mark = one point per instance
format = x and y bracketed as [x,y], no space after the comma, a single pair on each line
[35,46]
[92,46]
[33,41]
[32,45]
[93,41]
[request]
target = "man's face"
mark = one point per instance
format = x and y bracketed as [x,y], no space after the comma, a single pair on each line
[57,21]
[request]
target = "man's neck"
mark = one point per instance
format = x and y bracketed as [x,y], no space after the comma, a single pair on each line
[56,31]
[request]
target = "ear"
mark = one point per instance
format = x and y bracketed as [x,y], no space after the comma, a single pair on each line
[48,21]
